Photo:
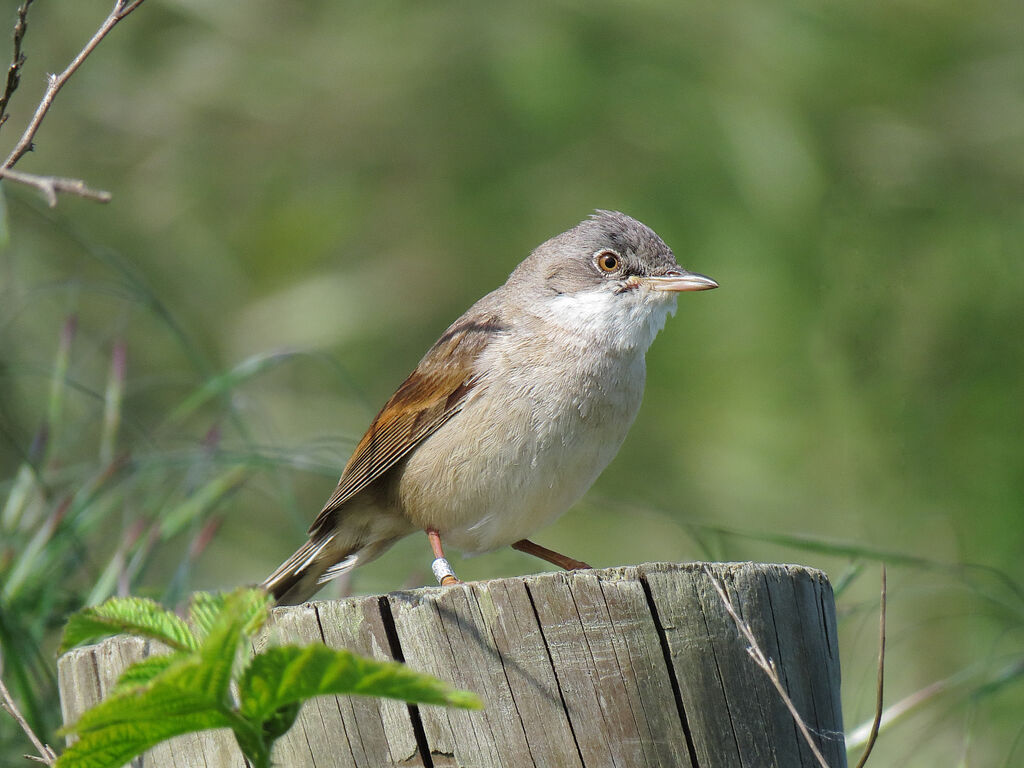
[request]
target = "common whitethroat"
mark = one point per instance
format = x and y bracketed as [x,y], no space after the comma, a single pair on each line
[513,413]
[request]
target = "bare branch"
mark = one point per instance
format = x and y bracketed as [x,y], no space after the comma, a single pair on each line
[17,59]
[879,706]
[51,185]
[768,665]
[127,7]
[46,754]
[121,9]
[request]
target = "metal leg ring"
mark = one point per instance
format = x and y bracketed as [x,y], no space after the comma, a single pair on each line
[442,569]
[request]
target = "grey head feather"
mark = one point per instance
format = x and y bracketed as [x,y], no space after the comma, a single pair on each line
[565,263]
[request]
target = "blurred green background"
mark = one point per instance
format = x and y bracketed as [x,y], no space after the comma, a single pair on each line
[306,194]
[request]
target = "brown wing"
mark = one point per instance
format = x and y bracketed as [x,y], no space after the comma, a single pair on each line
[432,394]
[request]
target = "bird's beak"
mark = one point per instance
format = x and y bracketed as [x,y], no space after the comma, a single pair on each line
[679,280]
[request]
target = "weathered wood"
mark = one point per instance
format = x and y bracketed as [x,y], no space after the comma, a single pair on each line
[632,666]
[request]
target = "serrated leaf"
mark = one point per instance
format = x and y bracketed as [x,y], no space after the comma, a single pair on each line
[180,699]
[127,733]
[287,674]
[206,607]
[204,610]
[168,694]
[255,605]
[142,672]
[127,615]
[225,638]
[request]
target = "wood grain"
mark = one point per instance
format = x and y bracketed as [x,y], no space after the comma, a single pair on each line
[631,666]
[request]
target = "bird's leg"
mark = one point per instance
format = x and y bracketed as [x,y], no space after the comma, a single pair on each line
[556,558]
[442,568]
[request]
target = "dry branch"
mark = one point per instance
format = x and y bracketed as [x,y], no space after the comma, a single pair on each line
[17,59]
[50,186]
[46,754]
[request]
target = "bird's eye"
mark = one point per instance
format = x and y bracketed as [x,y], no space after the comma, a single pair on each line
[607,261]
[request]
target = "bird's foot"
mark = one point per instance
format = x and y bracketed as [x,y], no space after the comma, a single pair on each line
[443,572]
[555,558]
[441,567]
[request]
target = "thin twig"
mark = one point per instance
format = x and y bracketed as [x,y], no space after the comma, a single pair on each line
[894,712]
[51,185]
[56,82]
[46,754]
[17,59]
[879,706]
[768,665]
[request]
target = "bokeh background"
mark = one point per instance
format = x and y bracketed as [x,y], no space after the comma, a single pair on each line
[306,194]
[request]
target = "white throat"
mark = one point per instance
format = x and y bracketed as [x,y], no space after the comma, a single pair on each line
[622,321]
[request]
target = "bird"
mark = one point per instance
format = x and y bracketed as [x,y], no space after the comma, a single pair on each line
[511,415]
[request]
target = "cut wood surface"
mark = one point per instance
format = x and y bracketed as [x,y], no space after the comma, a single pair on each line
[631,666]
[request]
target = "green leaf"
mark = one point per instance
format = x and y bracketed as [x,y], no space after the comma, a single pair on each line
[114,746]
[188,690]
[204,610]
[170,692]
[287,674]
[126,725]
[218,656]
[225,621]
[130,615]
[142,672]
[207,607]
[280,721]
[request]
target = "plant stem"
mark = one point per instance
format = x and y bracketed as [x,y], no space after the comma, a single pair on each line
[250,739]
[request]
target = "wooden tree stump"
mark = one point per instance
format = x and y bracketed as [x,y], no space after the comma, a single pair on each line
[631,666]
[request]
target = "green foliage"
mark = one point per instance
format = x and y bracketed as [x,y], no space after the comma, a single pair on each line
[131,615]
[142,672]
[129,723]
[189,689]
[78,479]
[288,674]
[207,608]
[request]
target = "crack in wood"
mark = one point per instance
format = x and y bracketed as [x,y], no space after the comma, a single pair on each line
[508,681]
[337,704]
[673,679]
[440,612]
[554,671]
[608,727]
[803,652]
[642,723]
[780,667]
[395,646]
[719,676]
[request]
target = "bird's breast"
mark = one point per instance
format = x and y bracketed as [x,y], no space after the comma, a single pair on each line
[544,419]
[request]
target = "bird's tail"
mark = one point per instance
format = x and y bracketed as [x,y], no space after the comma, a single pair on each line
[353,540]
